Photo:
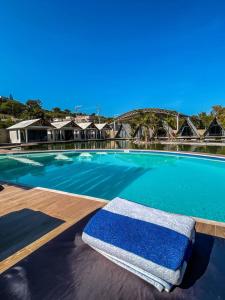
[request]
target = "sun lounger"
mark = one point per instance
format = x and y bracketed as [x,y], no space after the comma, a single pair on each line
[66,268]
[152,244]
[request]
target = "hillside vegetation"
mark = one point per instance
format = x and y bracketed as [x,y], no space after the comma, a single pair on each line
[14,110]
[11,111]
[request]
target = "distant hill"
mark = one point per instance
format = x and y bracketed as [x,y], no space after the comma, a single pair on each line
[12,110]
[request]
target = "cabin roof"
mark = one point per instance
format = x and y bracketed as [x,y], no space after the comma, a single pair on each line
[163,124]
[214,121]
[27,123]
[126,127]
[62,124]
[102,125]
[86,125]
[191,125]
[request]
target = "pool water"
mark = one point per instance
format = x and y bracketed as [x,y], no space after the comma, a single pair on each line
[181,184]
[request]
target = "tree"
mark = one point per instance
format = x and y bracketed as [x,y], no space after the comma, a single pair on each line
[34,104]
[11,107]
[171,121]
[147,120]
[219,112]
[56,110]
[6,123]
[205,118]
[67,112]
[34,109]
[58,113]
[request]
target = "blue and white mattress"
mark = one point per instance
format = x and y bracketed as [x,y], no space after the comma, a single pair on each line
[153,244]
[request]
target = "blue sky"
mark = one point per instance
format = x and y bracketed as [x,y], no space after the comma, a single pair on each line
[119,54]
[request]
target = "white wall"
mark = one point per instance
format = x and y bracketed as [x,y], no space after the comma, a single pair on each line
[77,136]
[51,135]
[14,136]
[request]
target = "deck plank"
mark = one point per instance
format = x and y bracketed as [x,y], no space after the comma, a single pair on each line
[53,213]
[18,204]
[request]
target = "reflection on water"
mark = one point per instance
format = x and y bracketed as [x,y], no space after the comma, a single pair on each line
[122,144]
[103,176]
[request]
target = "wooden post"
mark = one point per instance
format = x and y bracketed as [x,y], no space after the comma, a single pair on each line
[26,136]
[177,122]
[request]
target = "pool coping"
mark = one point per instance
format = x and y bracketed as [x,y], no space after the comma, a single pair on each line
[72,194]
[127,151]
[206,221]
[197,219]
[202,220]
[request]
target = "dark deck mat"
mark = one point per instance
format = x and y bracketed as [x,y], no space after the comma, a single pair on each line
[66,268]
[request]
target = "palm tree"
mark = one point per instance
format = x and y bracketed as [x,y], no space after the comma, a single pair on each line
[147,120]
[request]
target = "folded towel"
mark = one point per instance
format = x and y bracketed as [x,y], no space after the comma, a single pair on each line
[153,244]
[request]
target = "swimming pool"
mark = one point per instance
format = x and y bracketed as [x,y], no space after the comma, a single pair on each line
[176,183]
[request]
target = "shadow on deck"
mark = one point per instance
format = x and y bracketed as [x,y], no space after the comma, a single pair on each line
[20,228]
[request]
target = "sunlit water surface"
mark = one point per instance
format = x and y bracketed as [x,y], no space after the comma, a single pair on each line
[186,185]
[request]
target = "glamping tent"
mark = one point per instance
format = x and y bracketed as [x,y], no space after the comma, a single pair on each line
[36,130]
[163,131]
[143,131]
[215,130]
[124,131]
[188,130]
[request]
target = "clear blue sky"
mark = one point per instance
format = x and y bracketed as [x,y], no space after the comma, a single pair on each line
[118,54]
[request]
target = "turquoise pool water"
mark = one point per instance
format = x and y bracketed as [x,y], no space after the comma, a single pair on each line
[179,184]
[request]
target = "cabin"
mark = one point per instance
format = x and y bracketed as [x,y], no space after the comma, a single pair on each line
[88,131]
[215,130]
[104,130]
[142,132]
[39,130]
[124,131]
[66,131]
[163,131]
[36,130]
[188,130]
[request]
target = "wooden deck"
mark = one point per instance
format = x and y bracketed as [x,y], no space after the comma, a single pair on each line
[30,217]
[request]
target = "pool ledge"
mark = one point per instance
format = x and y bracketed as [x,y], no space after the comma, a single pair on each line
[73,194]
[210,227]
[205,226]
[220,157]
